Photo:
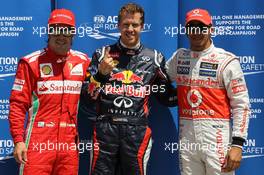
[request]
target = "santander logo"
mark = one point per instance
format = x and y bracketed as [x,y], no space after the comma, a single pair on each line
[59,87]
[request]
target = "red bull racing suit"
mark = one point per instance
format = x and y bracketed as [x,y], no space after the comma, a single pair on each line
[211,88]
[48,87]
[121,130]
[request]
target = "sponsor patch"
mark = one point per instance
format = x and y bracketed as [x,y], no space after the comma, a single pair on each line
[184,62]
[206,65]
[240,88]
[46,70]
[41,124]
[207,73]
[50,125]
[77,70]
[17,87]
[18,84]
[184,80]
[236,82]
[64,125]
[210,60]
[59,87]
[19,81]
[183,70]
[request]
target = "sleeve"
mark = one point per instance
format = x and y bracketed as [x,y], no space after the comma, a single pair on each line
[86,65]
[237,92]
[170,67]
[20,100]
[166,93]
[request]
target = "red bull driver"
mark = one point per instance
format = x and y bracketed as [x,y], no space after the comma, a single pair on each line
[124,75]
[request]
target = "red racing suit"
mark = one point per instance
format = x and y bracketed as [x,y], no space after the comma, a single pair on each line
[48,87]
[211,88]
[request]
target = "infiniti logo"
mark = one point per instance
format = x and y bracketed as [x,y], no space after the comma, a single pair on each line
[123,101]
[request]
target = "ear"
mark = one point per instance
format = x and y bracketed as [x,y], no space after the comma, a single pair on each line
[119,25]
[212,30]
[142,27]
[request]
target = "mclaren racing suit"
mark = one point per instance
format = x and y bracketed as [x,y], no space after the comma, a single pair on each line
[48,87]
[211,88]
[121,131]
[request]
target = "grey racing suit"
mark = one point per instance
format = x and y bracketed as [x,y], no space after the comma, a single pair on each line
[211,90]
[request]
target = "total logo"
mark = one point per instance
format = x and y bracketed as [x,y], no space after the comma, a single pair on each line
[106,27]
[194,98]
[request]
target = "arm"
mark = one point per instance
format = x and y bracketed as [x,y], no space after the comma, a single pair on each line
[170,66]
[239,101]
[20,102]
[166,94]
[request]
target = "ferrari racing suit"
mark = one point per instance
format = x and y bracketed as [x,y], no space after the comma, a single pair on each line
[48,87]
[121,129]
[211,88]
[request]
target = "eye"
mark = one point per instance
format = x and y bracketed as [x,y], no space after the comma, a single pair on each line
[135,25]
[126,25]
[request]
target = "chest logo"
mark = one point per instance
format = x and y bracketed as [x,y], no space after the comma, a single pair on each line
[194,98]
[76,70]
[123,102]
[46,70]
[126,77]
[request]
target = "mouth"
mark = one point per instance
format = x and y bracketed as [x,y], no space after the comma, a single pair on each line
[197,37]
[129,36]
[60,42]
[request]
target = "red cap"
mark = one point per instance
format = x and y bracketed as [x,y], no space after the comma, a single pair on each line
[62,16]
[199,15]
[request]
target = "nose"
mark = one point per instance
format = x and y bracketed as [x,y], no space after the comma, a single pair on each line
[130,27]
[61,36]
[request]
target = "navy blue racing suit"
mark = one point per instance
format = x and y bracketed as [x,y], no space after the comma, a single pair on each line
[121,133]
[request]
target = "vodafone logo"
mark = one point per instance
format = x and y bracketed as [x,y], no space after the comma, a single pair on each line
[194,98]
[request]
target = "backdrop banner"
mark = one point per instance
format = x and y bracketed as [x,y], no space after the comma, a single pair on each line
[20,25]
[239,29]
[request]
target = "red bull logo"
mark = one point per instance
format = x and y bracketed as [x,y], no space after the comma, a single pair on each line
[127,77]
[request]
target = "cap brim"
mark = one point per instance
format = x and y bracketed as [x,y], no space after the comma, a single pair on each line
[65,23]
[198,19]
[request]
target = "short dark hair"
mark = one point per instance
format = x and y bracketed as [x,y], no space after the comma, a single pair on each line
[131,8]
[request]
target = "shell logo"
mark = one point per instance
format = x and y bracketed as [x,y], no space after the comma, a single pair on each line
[46,69]
[194,98]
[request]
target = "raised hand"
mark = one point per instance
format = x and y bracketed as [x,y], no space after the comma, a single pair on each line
[107,64]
